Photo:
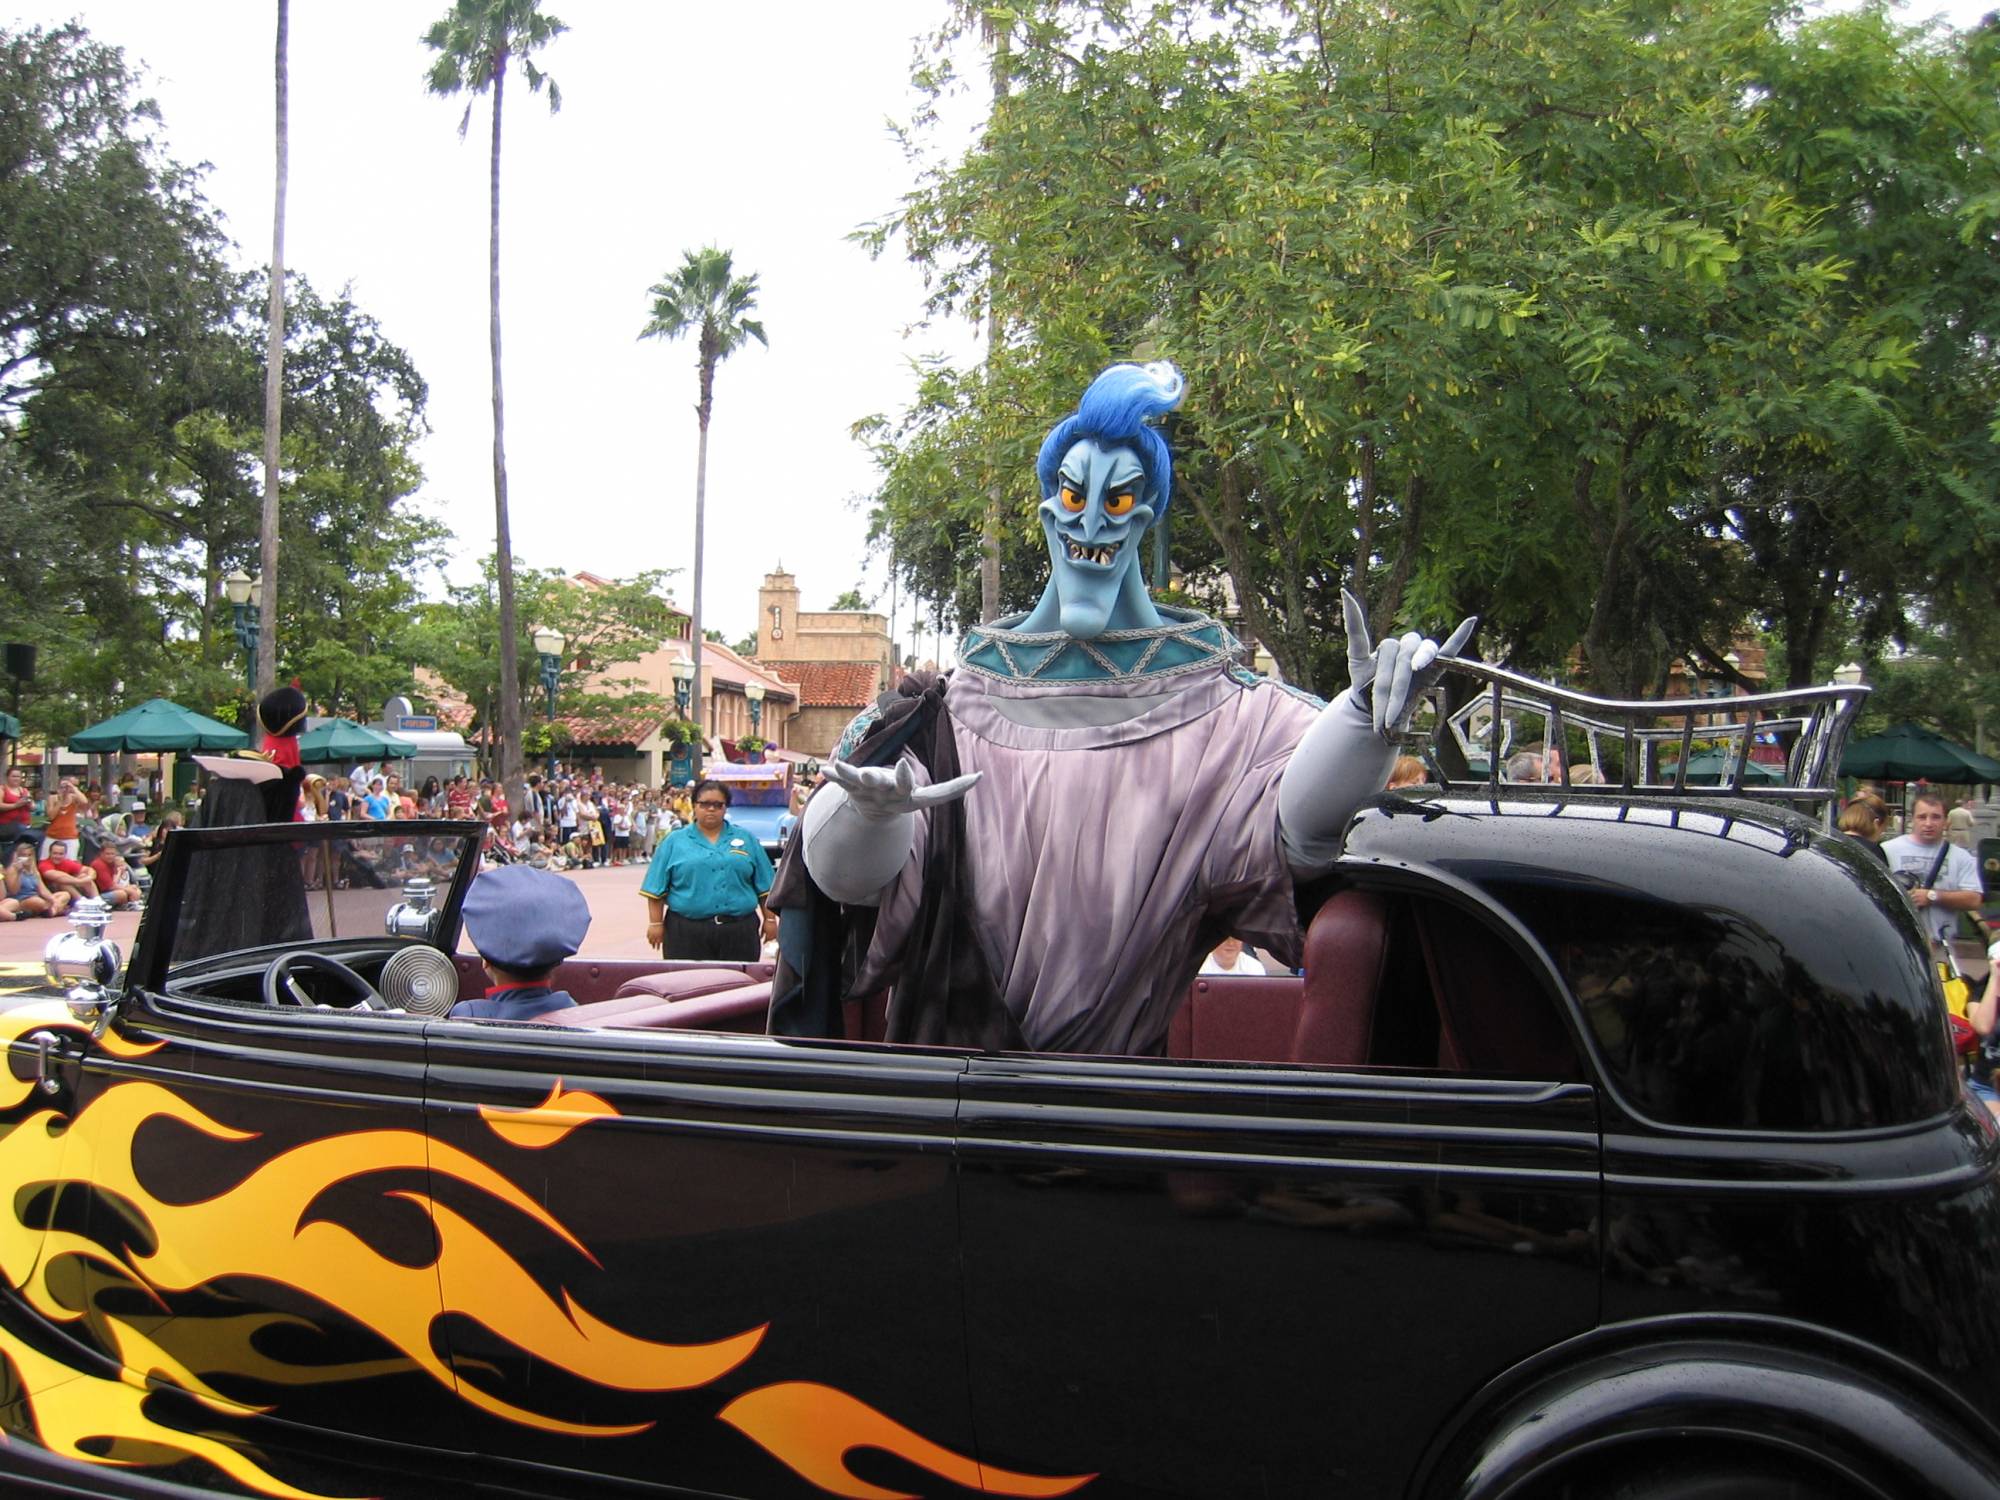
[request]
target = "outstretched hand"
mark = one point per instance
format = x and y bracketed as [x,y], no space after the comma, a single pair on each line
[1392,677]
[879,792]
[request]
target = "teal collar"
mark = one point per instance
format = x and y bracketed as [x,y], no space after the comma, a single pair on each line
[1185,642]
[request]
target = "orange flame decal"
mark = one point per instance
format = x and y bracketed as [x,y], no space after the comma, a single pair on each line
[546,1123]
[256,1229]
[812,1428]
[259,1228]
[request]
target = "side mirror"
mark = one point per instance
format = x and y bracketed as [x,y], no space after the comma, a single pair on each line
[82,961]
[414,916]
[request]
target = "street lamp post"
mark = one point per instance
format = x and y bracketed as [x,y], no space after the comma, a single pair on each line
[684,680]
[549,642]
[249,620]
[754,692]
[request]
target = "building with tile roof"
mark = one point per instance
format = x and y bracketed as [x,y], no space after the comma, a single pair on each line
[841,659]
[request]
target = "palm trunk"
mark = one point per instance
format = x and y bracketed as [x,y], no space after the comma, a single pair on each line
[700,514]
[503,538]
[274,378]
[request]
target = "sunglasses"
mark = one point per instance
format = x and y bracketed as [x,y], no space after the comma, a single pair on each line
[711,804]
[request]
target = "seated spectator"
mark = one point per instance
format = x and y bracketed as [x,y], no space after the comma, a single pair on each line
[1229,958]
[62,873]
[156,846]
[22,893]
[114,878]
[1407,771]
[1525,765]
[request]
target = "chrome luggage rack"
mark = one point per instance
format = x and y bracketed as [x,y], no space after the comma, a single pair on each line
[1644,746]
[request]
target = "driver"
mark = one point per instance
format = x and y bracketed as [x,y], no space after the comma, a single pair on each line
[524,922]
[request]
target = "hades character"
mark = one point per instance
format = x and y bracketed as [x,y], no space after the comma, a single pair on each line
[1035,851]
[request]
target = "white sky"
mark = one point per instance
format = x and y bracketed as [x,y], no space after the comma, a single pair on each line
[759,126]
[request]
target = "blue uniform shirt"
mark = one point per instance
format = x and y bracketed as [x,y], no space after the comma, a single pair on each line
[699,879]
[520,1002]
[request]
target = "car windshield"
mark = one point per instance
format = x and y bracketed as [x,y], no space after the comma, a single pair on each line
[317,888]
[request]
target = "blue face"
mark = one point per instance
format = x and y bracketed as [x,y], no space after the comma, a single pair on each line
[1094,522]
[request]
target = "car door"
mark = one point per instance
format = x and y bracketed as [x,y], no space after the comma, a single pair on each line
[254,1222]
[725,1263]
[242,1238]
[1212,1279]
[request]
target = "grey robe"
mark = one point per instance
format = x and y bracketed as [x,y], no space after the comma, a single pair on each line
[1105,859]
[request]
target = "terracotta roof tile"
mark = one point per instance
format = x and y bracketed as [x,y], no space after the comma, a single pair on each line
[829,684]
[611,729]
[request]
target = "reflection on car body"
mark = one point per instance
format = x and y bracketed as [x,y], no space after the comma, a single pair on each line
[1602,1133]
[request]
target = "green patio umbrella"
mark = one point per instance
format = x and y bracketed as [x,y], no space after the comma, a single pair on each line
[158,724]
[1712,768]
[345,741]
[1910,752]
[10,727]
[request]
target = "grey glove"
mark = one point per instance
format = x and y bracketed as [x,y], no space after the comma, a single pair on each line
[857,833]
[879,793]
[1390,679]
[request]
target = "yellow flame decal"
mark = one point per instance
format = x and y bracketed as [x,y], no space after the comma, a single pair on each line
[257,1229]
[71,1410]
[812,1428]
[546,1123]
[119,1046]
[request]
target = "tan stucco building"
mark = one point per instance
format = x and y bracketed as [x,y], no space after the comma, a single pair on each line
[841,659]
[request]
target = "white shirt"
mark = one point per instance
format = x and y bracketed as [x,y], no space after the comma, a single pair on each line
[1245,964]
[1960,872]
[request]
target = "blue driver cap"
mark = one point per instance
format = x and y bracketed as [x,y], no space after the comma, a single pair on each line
[525,919]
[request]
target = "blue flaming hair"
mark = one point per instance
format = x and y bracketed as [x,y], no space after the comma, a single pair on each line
[1116,411]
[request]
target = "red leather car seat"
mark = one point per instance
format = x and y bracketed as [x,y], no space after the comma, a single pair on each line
[1347,951]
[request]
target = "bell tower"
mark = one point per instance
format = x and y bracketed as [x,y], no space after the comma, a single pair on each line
[778,616]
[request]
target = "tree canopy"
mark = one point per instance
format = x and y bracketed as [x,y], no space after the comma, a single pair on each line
[1626,328]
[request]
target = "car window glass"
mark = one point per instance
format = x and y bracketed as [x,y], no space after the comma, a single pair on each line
[307,891]
[1712,1018]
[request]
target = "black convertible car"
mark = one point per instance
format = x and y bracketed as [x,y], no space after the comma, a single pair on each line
[1610,1144]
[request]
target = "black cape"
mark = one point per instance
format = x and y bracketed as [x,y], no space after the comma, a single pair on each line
[945,993]
[244,898]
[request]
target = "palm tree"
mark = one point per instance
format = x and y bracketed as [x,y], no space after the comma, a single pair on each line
[474,43]
[274,379]
[704,296]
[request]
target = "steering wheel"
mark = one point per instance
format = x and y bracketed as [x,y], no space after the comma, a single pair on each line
[279,988]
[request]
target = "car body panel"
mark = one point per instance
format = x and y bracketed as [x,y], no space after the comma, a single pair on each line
[427,1255]
[720,1202]
[1225,1248]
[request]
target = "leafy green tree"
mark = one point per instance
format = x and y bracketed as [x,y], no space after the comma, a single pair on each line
[852,599]
[1473,307]
[475,43]
[705,297]
[603,626]
[110,248]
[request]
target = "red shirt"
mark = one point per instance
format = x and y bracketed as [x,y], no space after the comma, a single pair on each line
[106,873]
[61,867]
[17,804]
[458,801]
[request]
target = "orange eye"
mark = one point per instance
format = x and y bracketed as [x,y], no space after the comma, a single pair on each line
[1120,504]
[1072,499]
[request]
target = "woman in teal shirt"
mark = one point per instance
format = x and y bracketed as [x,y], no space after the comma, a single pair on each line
[706,884]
